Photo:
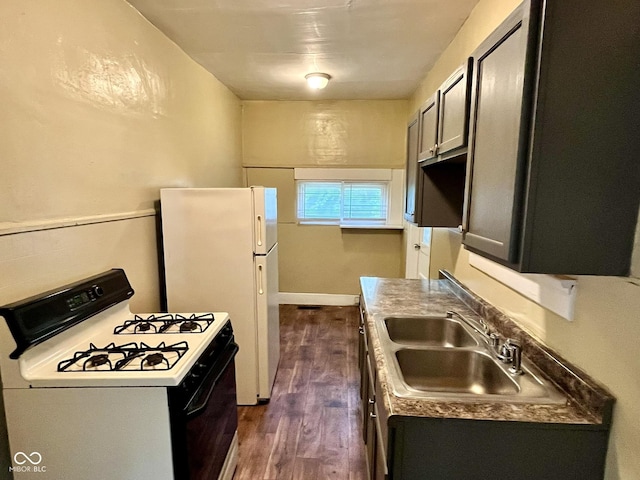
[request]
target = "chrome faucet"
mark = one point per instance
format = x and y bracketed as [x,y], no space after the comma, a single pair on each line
[509,352]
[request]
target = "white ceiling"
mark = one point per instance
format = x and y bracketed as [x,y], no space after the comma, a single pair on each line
[262,49]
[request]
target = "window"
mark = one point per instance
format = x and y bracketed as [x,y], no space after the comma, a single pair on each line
[342,202]
[350,197]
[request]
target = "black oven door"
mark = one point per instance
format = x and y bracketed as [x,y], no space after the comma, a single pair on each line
[204,428]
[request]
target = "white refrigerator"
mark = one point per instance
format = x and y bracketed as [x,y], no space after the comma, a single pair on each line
[221,254]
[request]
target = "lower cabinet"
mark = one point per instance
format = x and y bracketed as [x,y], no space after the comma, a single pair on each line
[373,436]
[362,352]
[375,440]
[455,449]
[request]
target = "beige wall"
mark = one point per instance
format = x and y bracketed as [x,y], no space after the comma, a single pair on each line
[99,110]
[364,134]
[603,336]
[351,133]
[325,258]
[484,18]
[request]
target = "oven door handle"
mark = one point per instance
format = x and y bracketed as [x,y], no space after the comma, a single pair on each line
[193,410]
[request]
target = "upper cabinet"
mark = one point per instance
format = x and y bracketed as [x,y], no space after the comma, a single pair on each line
[428,116]
[553,177]
[453,122]
[444,118]
[411,191]
[435,182]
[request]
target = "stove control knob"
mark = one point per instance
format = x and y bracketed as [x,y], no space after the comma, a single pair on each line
[97,290]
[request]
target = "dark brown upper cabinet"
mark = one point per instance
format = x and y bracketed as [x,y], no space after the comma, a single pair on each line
[428,121]
[453,121]
[413,133]
[553,177]
[437,195]
[434,195]
[444,119]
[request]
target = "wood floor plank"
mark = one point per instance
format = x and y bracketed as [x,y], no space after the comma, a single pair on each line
[335,444]
[254,457]
[310,440]
[307,468]
[283,451]
[310,429]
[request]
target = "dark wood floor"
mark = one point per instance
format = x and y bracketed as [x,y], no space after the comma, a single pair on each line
[310,429]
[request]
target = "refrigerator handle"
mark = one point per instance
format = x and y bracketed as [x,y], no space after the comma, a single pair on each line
[259,241]
[260,289]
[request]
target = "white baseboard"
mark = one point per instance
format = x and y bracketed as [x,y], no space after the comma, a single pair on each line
[318,299]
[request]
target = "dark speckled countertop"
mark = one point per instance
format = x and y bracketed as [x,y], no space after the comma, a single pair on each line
[588,403]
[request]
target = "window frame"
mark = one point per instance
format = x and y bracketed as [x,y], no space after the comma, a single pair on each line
[342,218]
[392,179]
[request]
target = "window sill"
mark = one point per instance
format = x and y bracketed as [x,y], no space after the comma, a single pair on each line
[354,226]
[371,227]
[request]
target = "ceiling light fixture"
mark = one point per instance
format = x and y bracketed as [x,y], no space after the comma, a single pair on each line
[317,80]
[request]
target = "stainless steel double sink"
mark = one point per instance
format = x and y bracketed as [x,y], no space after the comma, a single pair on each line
[436,357]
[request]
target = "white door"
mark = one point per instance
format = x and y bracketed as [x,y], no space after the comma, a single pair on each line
[268,320]
[424,253]
[412,246]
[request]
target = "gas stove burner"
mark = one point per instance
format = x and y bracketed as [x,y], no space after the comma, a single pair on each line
[98,360]
[154,359]
[166,323]
[130,356]
[144,327]
[189,326]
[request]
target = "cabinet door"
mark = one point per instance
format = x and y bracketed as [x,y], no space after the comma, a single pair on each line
[364,375]
[362,349]
[370,435]
[428,141]
[497,152]
[380,470]
[381,466]
[453,128]
[413,134]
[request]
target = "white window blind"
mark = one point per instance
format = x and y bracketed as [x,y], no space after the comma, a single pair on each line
[350,197]
[342,202]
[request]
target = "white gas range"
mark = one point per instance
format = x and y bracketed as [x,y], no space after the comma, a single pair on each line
[94,391]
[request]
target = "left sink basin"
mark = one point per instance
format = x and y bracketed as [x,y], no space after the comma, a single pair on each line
[428,331]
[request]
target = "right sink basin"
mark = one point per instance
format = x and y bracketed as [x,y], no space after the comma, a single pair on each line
[455,371]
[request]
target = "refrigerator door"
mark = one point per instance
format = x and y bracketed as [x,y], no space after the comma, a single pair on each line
[265,213]
[268,320]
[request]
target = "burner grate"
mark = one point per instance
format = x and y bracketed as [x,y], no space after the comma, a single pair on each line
[127,357]
[166,323]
